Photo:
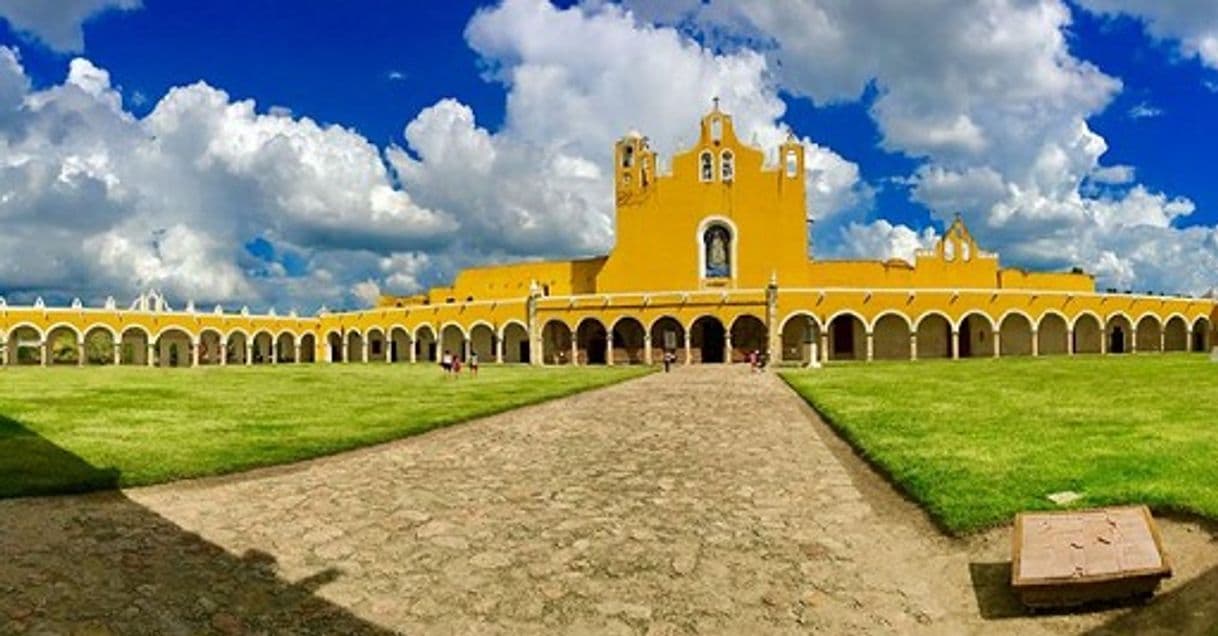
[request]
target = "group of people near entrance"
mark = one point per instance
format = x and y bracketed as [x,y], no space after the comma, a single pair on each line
[452,364]
[757,360]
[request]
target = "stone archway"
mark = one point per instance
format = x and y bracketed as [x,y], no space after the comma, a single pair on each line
[211,351]
[708,340]
[1015,335]
[800,336]
[355,347]
[847,338]
[334,346]
[1149,334]
[748,335]
[378,348]
[934,336]
[426,348]
[1201,335]
[453,341]
[1175,334]
[1118,333]
[133,347]
[63,346]
[262,351]
[516,343]
[976,336]
[25,346]
[592,342]
[629,342]
[556,339]
[667,336]
[1088,334]
[174,348]
[482,342]
[1052,335]
[308,348]
[99,346]
[285,348]
[890,338]
[399,345]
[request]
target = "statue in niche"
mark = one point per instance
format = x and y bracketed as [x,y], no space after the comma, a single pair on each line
[717,243]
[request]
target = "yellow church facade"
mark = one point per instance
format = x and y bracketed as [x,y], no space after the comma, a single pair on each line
[710,263]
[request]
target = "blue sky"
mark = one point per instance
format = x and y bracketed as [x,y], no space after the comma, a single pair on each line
[373,67]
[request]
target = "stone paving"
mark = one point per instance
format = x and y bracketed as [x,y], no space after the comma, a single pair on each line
[709,500]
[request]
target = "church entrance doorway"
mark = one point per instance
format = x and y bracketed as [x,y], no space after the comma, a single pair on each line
[708,338]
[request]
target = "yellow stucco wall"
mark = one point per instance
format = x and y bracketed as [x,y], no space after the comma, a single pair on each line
[654,289]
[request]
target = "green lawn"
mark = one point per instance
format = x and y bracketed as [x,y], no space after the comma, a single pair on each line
[977,441]
[72,430]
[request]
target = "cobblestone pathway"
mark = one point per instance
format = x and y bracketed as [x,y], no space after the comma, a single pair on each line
[707,500]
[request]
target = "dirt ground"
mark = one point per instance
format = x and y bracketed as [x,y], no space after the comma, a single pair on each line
[708,500]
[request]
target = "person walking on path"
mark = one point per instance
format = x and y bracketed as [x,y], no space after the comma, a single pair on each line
[473,364]
[446,363]
[457,367]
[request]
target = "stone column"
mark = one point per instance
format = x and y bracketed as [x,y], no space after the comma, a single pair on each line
[536,348]
[363,351]
[80,353]
[647,348]
[194,353]
[150,358]
[274,352]
[824,346]
[997,343]
[498,350]
[299,350]
[609,348]
[414,351]
[689,347]
[1133,340]
[249,353]
[870,346]
[117,353]
[727,347]
[773,350]
[574,348]
[1103,340]
[1069,341]
[1035,343]
[955,345]
[1163,340]
[913,345]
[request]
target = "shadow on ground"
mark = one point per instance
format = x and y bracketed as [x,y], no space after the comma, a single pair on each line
[104,564]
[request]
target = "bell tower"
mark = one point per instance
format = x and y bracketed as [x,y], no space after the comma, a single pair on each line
[634,168]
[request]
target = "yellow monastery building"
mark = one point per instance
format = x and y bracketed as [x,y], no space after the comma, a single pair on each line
[711,263]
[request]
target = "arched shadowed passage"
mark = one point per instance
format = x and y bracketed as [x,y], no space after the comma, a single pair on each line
[708,340]
[890,338]
[800,336]
[261,351]
[592,341]
[1016,336]
[1149,334]
[667,336]
[628,342]
[378,348]
[25,347]
[1175,335]
[425,345]
[748,335]
[62,346]
[1201,335]
[285,348]
[1052,336]
[482,342]
[211,351]
[1119,334]
[1088,334]
[308,348]
[847,338]
[399,345]
[174,348]
[133,347]
[556,338]
[99,347]
[515,343]
[334,346]
[355,347]
[453,341]
[976,336]
[934,337]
